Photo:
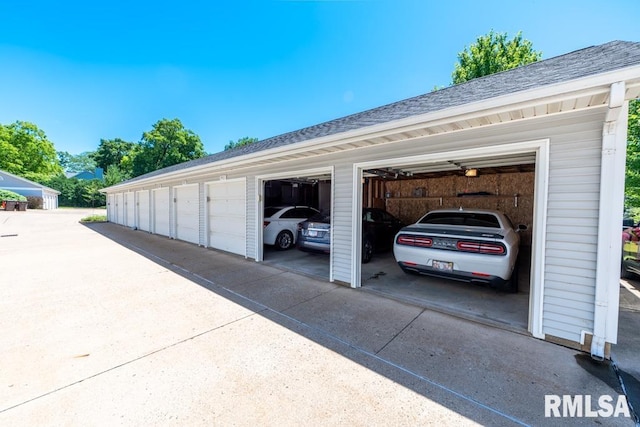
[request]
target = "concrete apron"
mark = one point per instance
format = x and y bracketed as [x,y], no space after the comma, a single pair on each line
[108,325]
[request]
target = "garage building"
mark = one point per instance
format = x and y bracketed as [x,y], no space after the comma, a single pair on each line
[40,195]
[547,141]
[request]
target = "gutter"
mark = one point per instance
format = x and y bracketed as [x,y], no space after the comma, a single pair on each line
[612,176]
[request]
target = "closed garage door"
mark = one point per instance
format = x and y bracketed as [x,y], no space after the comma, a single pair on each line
[111,208]
[161,206]
[119,209]
[187,213]
[131,209]
[227,216]
[143,210]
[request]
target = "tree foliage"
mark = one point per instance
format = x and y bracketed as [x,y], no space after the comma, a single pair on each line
[75,192]
[114,152]
[77,162]
[26,151]
[632,183]
[10,195]
[493,53]
[240,143]
[114,175]
[167,144]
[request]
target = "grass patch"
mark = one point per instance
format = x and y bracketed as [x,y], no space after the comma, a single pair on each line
[94,218]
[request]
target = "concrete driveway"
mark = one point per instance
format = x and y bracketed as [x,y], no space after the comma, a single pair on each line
[103,325]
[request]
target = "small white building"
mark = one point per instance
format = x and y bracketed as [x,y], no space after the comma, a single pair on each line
[27,188]
[548,140]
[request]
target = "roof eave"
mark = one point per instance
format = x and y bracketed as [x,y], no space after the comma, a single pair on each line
[571,89]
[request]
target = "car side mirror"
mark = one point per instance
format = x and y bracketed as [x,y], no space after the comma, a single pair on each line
[522,227]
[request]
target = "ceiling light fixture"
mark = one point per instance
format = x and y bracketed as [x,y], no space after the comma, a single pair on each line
[471,172]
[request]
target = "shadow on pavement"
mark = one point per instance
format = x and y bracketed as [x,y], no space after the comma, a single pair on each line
[490,376]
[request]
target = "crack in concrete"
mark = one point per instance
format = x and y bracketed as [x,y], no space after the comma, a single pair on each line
[401,331]
[128,362]
[635,415]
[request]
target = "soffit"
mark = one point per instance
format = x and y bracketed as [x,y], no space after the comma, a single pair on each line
[444,122]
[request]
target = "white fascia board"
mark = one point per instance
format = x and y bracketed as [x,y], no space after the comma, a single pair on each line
[466,153]
[296,173]
[599,83]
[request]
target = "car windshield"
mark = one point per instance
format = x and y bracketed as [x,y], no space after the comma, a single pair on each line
[324,217]
[461,218]
[269,212]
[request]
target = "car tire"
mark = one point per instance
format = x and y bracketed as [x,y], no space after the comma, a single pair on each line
[284,240]
[624,272]
[512,283]
[367,250]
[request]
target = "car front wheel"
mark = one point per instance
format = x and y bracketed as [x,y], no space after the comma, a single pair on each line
[367,250]
[284,240]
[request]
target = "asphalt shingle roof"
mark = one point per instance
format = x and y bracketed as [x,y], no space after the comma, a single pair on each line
[578,64]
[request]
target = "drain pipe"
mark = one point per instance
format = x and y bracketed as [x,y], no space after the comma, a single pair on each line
[613,157]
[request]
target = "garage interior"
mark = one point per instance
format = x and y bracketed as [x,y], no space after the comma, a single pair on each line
[309,190]
[504,183]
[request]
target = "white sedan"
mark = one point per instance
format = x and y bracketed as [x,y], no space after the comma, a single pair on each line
[280,226]
[468,245]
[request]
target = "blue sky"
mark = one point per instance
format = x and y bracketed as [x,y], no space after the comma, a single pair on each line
[82,71]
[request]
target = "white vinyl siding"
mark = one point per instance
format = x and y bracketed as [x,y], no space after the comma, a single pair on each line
[341,223]
[187,219]
[143,210]
[572,227]
[161,212]
[251,219]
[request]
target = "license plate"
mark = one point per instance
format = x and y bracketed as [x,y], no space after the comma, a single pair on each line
[313,233]
[442,265]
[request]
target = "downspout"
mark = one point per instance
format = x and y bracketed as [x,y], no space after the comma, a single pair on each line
[612,175]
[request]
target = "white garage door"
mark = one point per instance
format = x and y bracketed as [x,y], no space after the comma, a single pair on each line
[187,213]
[119,209]
[130,204]
[227,216]
[143,210]
[111,208]
[161,205]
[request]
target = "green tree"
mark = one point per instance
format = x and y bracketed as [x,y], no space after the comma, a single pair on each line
[77,192]
[91,195]
[240,143]
[114,175]
[26,151]
[65,186]
[114,152]
[632,183]
[77,162]
[167,144]
[493,53]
